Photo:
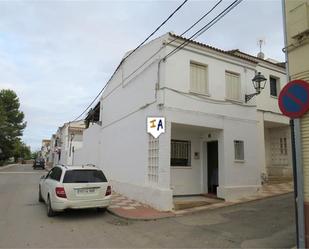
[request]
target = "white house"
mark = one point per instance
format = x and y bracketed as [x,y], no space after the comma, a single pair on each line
[212,140]
[273,128]
[66,141]
[45,149]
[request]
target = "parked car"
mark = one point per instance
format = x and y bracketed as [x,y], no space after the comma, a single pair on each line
[39,163]
[74,187]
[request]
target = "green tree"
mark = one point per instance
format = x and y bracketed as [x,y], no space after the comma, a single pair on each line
[11,123]
[21,150]
[35,154]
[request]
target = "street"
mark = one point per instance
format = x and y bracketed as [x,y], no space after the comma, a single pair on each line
[268,223]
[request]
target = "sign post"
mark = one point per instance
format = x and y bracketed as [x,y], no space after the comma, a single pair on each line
[294,103]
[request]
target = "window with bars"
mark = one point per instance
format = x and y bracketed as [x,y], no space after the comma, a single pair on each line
[198,78]
[153,159]
[283,146]
[239,150]
[233,86]
[274,86]
[180,153]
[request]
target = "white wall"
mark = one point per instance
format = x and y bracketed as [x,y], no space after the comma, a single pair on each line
[236,179]
[178,68]
[187,180]
[265,101]
[89,150]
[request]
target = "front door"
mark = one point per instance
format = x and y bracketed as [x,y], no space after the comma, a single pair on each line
[212,167]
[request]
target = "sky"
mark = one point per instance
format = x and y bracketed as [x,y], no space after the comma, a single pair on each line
[57,55]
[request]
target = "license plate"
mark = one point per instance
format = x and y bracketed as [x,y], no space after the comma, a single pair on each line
[86,191]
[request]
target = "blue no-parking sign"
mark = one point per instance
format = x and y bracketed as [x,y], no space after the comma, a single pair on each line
[294,98]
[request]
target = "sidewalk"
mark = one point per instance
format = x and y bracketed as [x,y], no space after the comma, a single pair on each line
[129,209]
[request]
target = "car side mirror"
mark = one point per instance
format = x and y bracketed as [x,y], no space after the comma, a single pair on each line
[43,176]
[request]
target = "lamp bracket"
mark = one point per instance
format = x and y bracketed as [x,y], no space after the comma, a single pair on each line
[250,96]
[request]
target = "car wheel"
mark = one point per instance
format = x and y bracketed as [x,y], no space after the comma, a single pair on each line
[50,211]
[40,195]
[101,210]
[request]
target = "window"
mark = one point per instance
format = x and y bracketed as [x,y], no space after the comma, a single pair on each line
[55,174]
[233,86]
[274,86]
[283,146]
[180,153]
[84,176]
[239,150]
[198,78]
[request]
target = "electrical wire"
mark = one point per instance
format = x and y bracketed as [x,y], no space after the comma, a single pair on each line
[204,28]
[170,16]
[163,23]
[183,33]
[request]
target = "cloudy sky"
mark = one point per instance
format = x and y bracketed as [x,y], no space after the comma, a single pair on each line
[57,55]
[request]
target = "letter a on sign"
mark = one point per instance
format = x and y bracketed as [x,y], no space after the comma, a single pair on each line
[155,126]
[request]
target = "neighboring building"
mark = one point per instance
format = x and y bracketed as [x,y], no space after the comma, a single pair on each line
[297,31]
[66,141]
[53,154]
[212,140]
[274,132]
[45,149]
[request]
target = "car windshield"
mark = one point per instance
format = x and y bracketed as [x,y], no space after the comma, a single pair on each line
[84,176]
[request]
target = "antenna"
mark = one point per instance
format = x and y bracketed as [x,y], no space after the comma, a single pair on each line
[261,42]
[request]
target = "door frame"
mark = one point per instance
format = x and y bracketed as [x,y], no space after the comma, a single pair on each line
[205,182]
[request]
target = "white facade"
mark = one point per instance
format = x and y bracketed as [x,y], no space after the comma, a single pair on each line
[45,149]
[139,165]
[67,140]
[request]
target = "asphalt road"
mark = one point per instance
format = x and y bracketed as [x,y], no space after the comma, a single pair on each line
[23,223]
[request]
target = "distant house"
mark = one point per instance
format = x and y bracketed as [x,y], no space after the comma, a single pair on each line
[67,139]
[45,149]
[214,142]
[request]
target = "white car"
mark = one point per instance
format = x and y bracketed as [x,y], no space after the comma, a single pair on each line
[74,187]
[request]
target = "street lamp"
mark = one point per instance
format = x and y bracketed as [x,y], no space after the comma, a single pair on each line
[258,82]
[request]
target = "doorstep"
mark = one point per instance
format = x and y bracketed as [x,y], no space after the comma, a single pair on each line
[133,210]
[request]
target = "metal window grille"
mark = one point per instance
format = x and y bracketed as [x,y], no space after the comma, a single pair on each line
[153,159]
[180,153]
[239,150]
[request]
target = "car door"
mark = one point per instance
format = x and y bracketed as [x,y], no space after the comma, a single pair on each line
[46,184]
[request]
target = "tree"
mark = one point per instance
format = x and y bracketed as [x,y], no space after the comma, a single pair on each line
[35,154]
[11,123]
[21,150]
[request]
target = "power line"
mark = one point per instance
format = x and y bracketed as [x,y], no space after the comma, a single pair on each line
[204,28]
[163,23]
[170,16]
[192,26]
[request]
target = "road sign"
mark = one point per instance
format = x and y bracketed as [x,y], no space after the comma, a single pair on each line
[294,98]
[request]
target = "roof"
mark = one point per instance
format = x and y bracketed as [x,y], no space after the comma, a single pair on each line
[257,59]
[235,52]
[213,48]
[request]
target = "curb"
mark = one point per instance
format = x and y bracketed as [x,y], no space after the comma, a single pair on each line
[139,219]
[8,166]
[210,207]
